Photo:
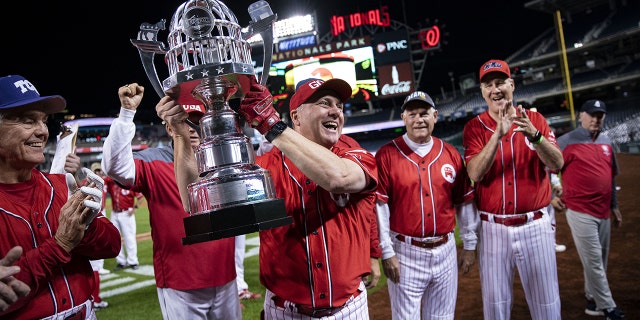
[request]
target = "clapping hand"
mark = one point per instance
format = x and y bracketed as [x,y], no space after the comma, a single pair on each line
[521,119]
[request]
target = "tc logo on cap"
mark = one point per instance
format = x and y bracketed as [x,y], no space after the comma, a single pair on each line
[25,85]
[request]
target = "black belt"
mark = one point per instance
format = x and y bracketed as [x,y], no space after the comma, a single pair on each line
[512,221]
[426,244]
[310,311]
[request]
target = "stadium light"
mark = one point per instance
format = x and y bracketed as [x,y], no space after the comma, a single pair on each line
[289,27]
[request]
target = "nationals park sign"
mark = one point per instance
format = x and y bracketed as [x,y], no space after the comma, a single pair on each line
[322,49]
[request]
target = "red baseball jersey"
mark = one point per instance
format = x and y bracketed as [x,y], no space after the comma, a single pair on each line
[58,280]
[176,266]
[320,259]
[517,181]
[587,177]
[422,192]
[121,199]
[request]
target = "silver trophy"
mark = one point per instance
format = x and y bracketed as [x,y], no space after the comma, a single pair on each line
[209,62]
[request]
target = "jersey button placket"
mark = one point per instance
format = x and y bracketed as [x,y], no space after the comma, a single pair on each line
[36,216]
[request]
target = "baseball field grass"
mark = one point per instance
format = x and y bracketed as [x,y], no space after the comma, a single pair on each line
[131,294]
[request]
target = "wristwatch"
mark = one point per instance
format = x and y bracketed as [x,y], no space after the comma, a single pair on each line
[275,131]
[537,139]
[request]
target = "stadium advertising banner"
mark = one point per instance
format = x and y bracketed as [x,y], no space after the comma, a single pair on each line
[355,64]
[395,79]
[296,43]
[391,47]
[322,49]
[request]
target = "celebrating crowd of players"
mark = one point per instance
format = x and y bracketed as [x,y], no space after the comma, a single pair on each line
[419,186]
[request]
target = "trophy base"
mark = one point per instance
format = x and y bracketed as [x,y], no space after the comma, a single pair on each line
[235,221]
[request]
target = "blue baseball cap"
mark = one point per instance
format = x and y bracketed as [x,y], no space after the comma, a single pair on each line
[16,91]
[417,99]
[593,106]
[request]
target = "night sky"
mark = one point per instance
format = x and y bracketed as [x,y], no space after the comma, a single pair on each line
[84,53]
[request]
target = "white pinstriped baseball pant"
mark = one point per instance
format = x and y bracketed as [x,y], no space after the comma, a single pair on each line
[355,309]
[428,281]
[531,249]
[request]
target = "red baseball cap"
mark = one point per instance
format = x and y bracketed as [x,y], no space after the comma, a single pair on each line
[309,89]
[494,65]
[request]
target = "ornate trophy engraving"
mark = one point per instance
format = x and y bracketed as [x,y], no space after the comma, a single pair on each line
[209,62]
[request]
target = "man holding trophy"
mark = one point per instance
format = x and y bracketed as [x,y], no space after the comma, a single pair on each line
[314,266]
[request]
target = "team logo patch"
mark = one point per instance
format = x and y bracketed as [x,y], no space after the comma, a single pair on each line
[315,84]
[448,173]
[25,86]
[192,107]
[605,150]
[492,65]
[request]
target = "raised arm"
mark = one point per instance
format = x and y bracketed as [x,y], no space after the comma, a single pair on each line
[184,160]
[117,155]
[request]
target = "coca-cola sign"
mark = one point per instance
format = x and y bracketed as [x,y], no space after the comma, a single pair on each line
[403,87]
[395,80]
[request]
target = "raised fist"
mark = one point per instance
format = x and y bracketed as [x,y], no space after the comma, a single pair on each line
[257,107]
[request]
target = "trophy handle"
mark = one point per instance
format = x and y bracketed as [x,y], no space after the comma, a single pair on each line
[262,23]
[148,45]
[267,45]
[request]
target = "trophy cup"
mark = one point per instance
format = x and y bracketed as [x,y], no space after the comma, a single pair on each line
[209,62]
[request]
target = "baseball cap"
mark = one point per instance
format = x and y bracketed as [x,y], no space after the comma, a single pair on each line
[591,106]
[16,91]
[494,65]
[417,99]
[315,88]
[95,166]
